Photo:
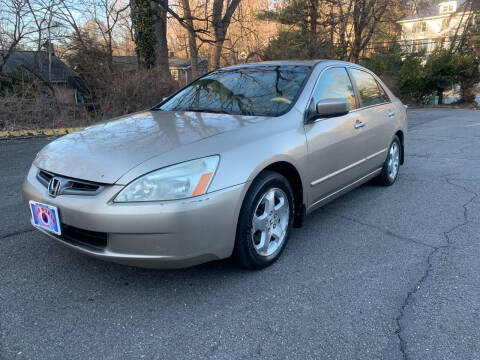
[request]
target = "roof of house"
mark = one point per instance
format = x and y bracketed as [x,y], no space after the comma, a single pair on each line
[178,62]
[431,10]
[173,62]
[125,60]
[37,63]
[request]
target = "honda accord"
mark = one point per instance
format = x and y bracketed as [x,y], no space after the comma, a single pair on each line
[225,166]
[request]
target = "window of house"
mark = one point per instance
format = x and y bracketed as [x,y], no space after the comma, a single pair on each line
[447,8]
[420,45]
[334,83]
[414,45]
[425,45]
[368,89]
[445,23]
[175,74]
[419,27]
[439,43]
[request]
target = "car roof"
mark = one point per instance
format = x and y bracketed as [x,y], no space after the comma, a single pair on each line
[310,63]
[278,63]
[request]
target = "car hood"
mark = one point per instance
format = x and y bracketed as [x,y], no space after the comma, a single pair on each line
[104,152]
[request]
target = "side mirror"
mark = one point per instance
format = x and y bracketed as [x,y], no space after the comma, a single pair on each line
[326,108]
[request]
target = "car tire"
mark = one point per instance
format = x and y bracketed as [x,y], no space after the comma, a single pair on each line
[262,220]
[391,166]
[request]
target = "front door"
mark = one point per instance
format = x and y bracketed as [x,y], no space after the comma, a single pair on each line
[336,146]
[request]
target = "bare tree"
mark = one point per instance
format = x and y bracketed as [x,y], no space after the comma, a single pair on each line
[186,19]
[468,25]
[213,32]
[105,14]
[340,28]
[220,23]
[248,34]
[192,37]
[354,22]
[65,14]
[42,15]
[16,25]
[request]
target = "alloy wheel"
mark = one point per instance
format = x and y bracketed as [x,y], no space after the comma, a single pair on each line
[393,161]
[270,222]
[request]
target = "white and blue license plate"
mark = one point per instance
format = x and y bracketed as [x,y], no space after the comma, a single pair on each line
[45,217]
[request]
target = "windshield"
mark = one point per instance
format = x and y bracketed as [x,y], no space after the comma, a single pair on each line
[257,91]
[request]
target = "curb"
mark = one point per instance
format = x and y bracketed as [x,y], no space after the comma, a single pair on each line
[20,134]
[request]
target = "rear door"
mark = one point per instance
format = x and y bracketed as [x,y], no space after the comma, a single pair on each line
[377,113]
[336,145]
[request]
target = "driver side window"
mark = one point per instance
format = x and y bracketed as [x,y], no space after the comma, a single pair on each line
[335,83]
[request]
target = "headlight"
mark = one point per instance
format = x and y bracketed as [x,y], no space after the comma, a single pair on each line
[179,181]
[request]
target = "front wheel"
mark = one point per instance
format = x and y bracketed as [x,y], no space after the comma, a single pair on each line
[391,165]
[265,221]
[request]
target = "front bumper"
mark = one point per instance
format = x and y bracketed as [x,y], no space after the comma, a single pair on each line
[165,234]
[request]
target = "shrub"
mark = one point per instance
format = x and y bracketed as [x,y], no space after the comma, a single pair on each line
[467,75]
[132,91]
[411,79]
[36,109]
[31,105]
[296,45]
[440,72]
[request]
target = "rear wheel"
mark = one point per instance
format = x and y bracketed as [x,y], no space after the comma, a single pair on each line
[265,221]
[391,165]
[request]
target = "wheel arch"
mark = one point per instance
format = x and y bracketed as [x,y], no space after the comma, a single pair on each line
[291,173]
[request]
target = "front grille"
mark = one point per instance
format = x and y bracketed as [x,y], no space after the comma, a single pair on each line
[76,236]
[84,186]
[70,186]
[44,177]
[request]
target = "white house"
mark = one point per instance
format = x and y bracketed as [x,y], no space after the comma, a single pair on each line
[433,26]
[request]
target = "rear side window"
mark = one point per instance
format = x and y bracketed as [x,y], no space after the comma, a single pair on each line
[370,94]
[384,94]
[335,83]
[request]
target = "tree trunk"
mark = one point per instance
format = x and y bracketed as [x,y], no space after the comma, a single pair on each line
[110,52]
[161,51]
[440,96]
[143,25]
[355,51]
[313,28]
[193,50]
[358,28]
[214,61]
[467,91]
[220,26]
[192,38]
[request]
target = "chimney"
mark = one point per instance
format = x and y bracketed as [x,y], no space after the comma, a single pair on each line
[48,46]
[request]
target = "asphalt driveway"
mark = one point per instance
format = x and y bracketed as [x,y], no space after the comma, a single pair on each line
[381,273]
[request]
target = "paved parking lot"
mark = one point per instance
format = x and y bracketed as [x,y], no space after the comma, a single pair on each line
[381,273]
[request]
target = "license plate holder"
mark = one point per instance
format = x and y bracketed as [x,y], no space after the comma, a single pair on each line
[45,217]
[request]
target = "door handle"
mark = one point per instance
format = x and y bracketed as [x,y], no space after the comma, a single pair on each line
[359,124]
[391,113]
